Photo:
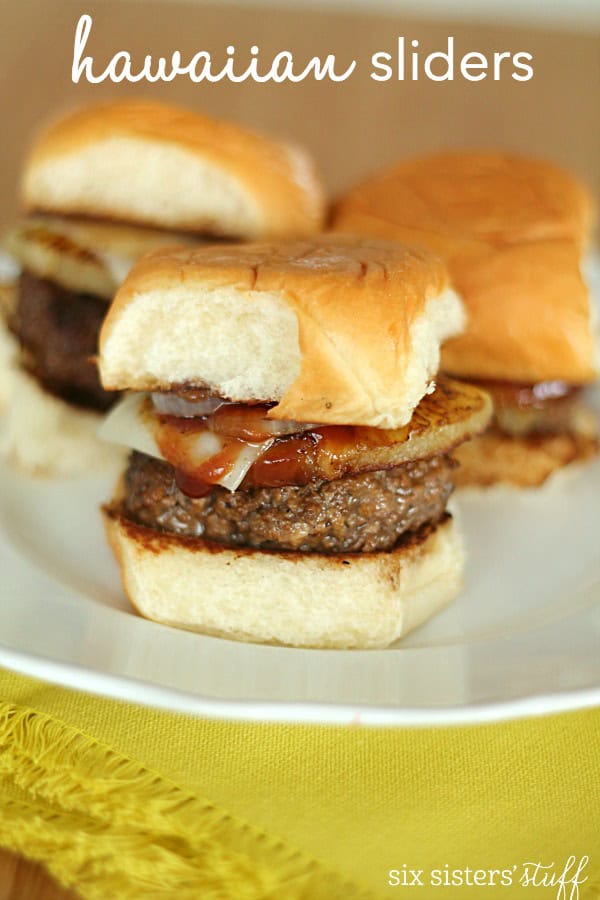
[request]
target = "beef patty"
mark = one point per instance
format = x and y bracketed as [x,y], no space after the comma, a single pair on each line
[58,330]
[359,513]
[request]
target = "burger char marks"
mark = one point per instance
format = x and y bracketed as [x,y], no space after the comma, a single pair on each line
[361,513]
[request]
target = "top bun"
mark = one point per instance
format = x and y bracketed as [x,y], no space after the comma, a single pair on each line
[155,164]
[512,232]
[338,331]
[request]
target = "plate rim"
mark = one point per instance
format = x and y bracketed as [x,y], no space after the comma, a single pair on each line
[126,689]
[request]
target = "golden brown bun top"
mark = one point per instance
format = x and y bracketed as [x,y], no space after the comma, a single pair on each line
[262,187]
[387,270]
[495,197]
[511,231]
[335,330]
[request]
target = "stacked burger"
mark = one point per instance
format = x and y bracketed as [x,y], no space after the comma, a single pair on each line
[512,232]
[291,442]
[102,187]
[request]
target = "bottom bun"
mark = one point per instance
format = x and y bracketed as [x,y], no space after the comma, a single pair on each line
[41,434]
[302,600]
[9,356]
[496,458]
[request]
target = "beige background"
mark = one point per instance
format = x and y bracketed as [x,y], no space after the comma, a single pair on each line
[352,127]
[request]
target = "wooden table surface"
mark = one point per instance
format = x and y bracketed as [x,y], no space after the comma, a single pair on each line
[22,880]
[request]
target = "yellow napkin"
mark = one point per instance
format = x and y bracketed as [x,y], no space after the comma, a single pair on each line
[126,802]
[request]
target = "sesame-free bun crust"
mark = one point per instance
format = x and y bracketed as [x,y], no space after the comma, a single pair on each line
[512,231]
[335,331]
[156,164]
[298,599]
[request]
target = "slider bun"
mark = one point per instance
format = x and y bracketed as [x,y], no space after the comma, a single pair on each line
[530,315]
[335,331]
[512,232]
[156,164]
[299,599]
[490,196]
[41,434]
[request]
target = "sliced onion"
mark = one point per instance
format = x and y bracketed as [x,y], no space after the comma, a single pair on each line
[250,423]
[118,266]
[174,405]
[203,445]
[246,422]
[130,424]
[551,390]
[247,456]
[9,268]
[281,427]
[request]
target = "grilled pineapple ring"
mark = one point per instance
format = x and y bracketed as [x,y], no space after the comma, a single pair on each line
[453,413]
[81,255]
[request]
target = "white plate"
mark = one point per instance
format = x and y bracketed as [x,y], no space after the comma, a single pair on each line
[524,638]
